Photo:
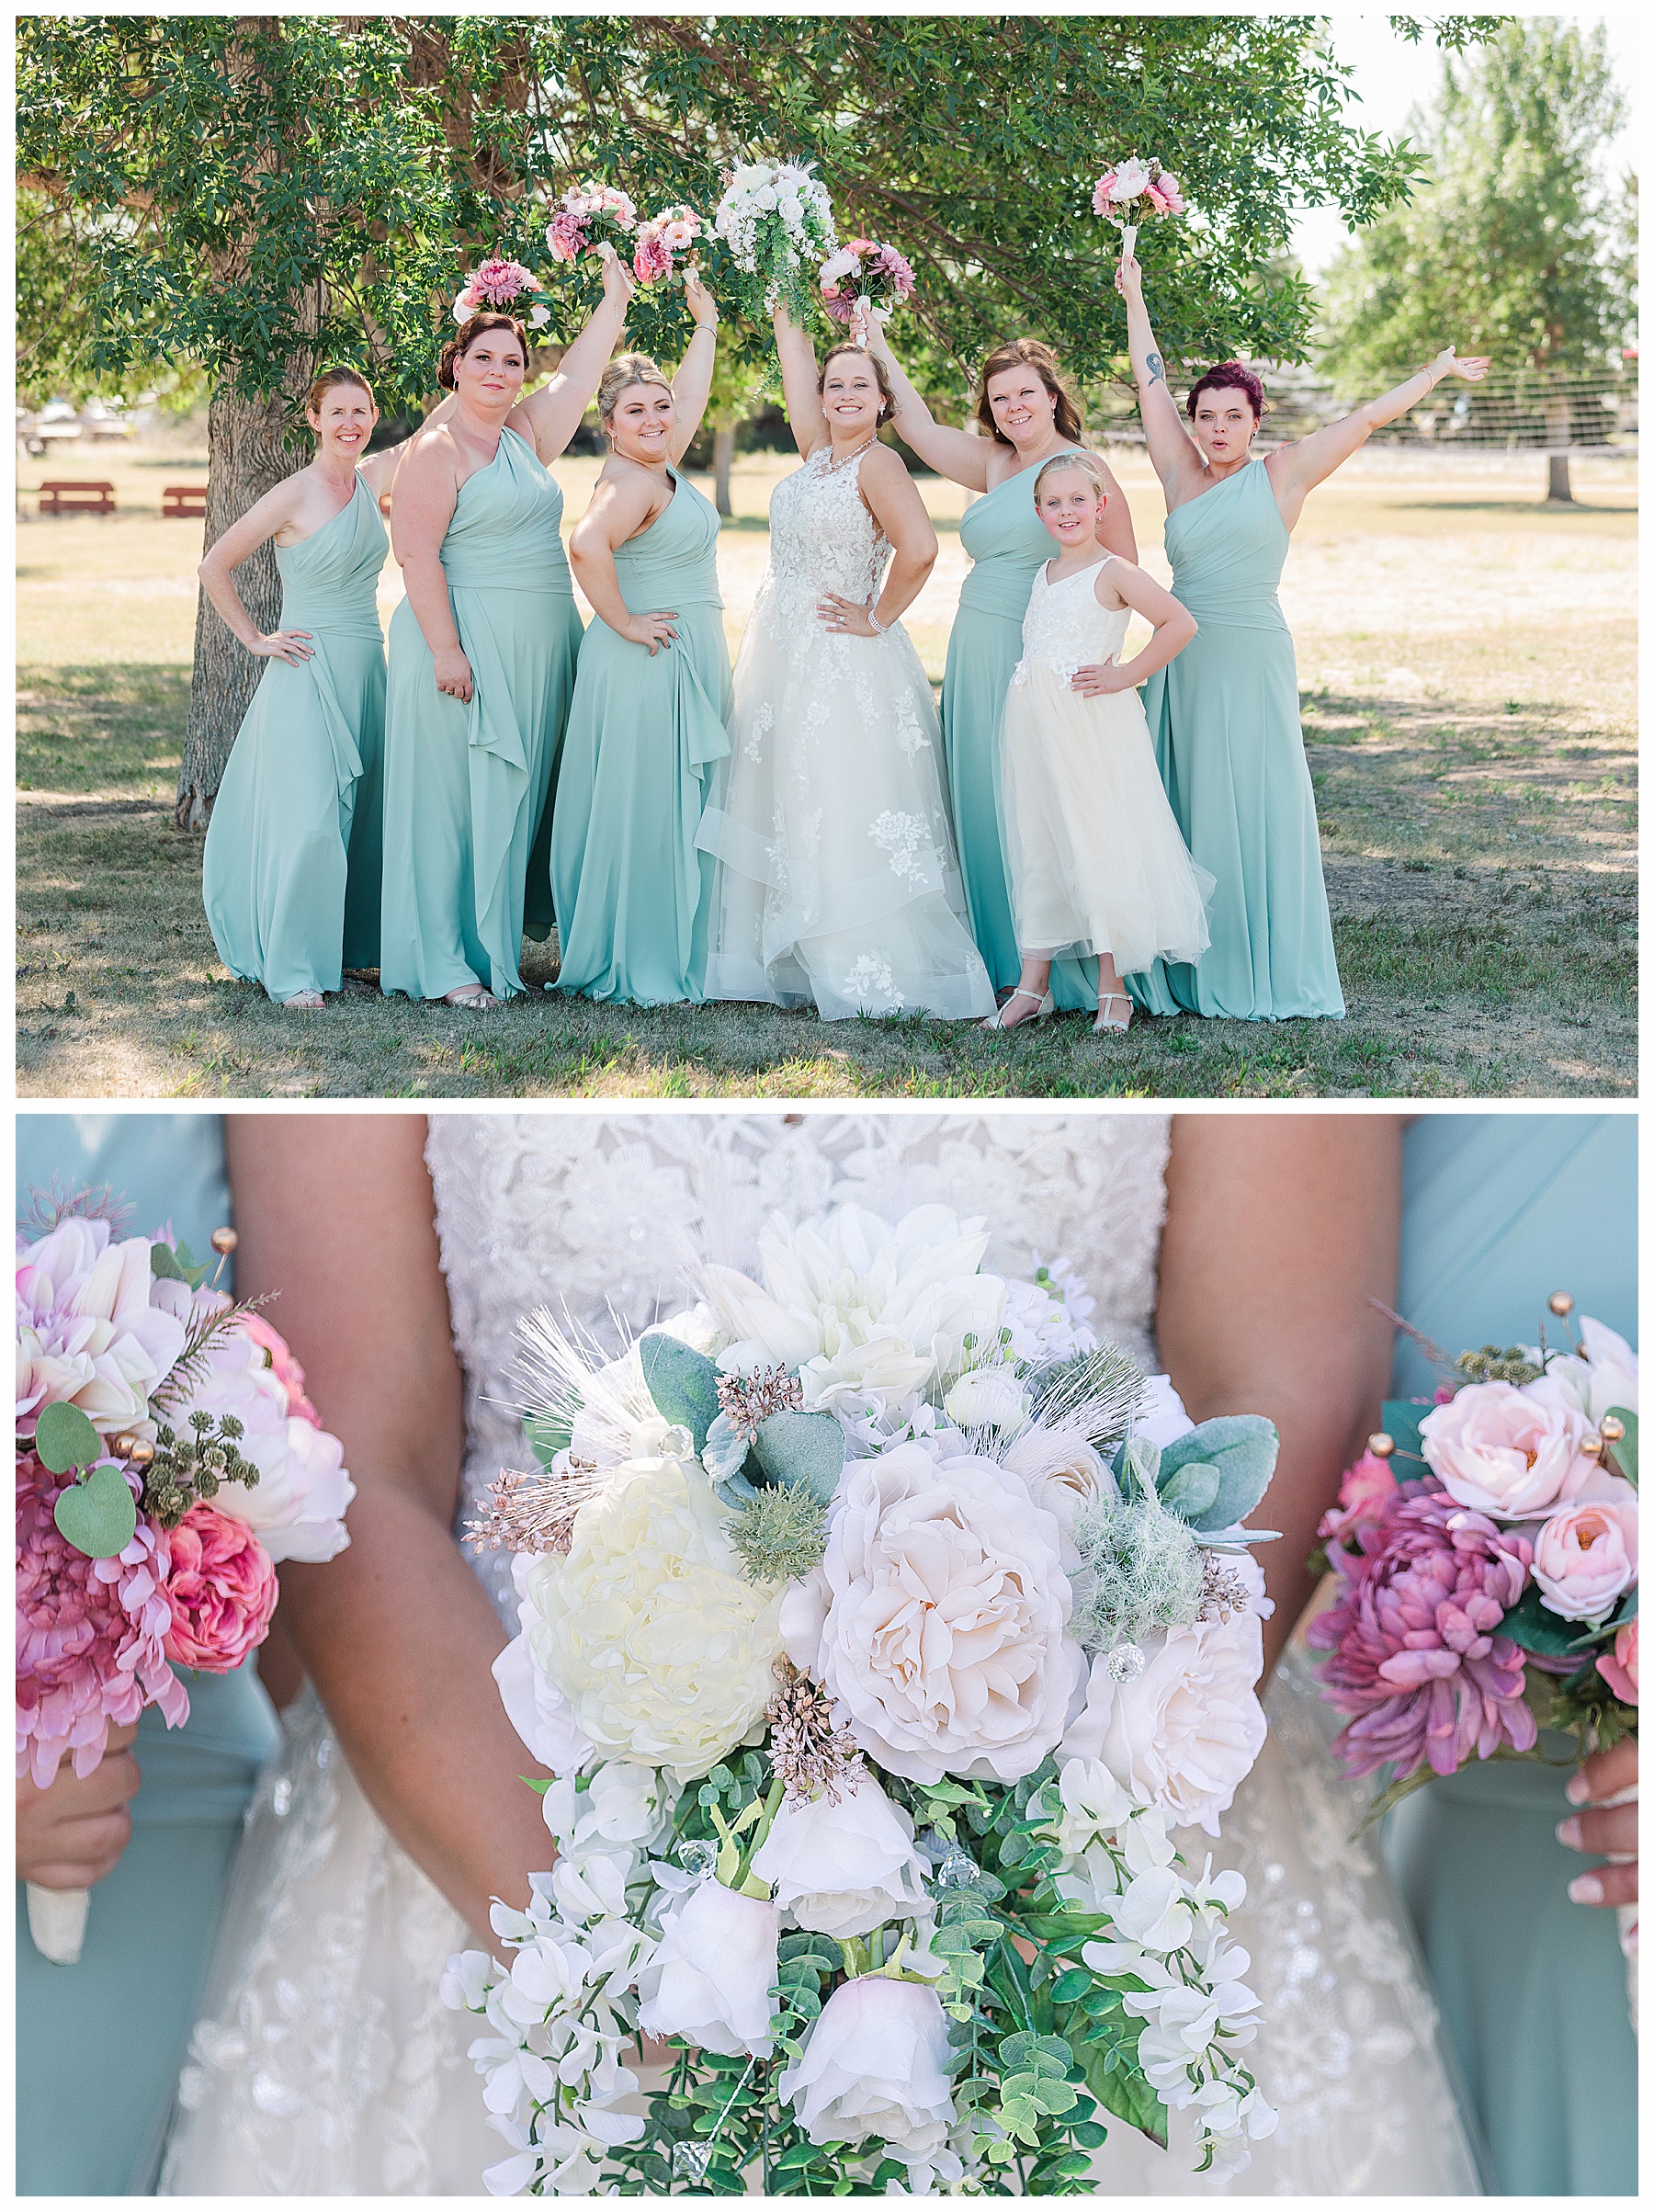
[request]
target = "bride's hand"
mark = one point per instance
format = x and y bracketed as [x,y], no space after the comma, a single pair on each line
[847,618]
[653,630]
[1610,1829]
[73,1834]
[1101,680]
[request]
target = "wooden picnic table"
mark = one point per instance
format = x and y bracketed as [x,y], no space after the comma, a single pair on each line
[182,502]
[60,498]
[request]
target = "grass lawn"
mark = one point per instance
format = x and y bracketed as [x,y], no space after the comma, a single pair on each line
[1467,662]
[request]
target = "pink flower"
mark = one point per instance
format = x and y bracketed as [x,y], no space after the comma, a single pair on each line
[222,1591]
[90,1634]
[1586,1555]
[282,1364]
[1102,198]
[1163,191]
[1416,1656]
[91,1331]
[1620,1671]
[1499,1450]
[565,236]
[1364,1496]
[497,283]
[652,259]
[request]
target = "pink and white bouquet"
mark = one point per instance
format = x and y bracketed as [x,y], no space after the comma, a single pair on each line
[662,242]
[167,1460]
[776,218]
[1486,1554]
[865,282]
[504,287]
[888,1638]
[593,218]
[1132,192]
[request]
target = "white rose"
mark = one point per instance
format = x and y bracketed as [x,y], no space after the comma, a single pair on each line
[845,1870]
[648,1626]
[1185,1734]
[1163,1421]
[1604,1377]
[539,1711]
[766,198]
[1064,1477]
[936,1618]
[1131,179]
[297,1506]
[872,2065]
[711,1974]
[791,207]
[987,1398]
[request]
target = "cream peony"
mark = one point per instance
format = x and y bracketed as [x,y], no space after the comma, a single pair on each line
[872,2065]
[936,1619]
[1065,1477]
[648,1627]
[1185,1734]
[1504,1451]
[710,1975]
[843,1870]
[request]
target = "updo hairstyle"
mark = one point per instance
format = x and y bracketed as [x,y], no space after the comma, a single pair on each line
[887,398]
[457,348]
[625,370]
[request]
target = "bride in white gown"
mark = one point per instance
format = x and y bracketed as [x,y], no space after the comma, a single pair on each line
[837,878]
[323,2063]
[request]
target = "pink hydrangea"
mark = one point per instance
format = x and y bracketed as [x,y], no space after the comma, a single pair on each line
[1417,1658]
[283,1366]
[222,1591]
[91,1635]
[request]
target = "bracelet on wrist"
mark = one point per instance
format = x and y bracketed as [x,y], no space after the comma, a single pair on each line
[879,629]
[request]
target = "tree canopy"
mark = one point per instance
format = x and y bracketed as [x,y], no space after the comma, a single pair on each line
[263,193]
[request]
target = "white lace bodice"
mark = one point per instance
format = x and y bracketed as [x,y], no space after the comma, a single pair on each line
[822,537]
[1065,629]
[595,1212]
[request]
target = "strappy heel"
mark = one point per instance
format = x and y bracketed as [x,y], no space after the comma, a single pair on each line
[1104,1020]
[1043,1010]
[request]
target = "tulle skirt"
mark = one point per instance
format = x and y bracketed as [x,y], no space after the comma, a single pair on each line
[1096,862]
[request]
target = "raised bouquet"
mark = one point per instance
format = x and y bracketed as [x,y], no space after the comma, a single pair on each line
[1131,193]
[865,282]
[662,242]
[505,288]
[776,219]
[592,218]
[168,1459]
[882,1630]
[1485,1547]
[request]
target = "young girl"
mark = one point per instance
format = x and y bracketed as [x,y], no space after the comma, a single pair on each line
[1095,858]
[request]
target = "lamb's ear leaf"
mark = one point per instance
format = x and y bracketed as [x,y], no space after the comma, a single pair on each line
[682,1381]
[1191,1491]
[1242,1447]
[801,1449]
[1137,1466]
[65,1439]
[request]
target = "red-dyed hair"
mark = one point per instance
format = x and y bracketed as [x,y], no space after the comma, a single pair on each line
[1228,375]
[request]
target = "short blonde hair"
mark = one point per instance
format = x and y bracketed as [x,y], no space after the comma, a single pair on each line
[623,371]
[1075,458]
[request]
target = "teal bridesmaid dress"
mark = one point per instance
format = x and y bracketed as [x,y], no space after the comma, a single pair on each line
[631,890]
[291,875]
[100,2044]
[1224,716]
[465,785]
[1006,541]
[1500,1211]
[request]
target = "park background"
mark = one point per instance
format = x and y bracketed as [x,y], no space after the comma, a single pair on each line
[1466,642]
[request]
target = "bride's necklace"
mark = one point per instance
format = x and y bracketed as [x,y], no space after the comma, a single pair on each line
[842,461]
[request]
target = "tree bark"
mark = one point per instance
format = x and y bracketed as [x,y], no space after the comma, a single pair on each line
[723,454]
[247,453]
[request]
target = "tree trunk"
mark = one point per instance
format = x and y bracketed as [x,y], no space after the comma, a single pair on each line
[1557,431]
[723,454]
[1560,486]
[246,454]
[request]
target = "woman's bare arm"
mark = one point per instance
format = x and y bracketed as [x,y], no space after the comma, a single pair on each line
[238,543]
[805,417]
[421,509]
[1279,1228]
[1115,530]
[1176,458]
[1296,469]
[335,1214]
[955,454]
[620,508]
[549,418]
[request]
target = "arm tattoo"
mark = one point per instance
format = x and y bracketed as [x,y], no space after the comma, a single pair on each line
[1157,369]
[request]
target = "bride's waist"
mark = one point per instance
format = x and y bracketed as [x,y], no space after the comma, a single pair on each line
[789,589]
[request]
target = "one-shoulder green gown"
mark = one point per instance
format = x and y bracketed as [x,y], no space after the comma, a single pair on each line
[1499,1211]
[465,785]
[100,2044]
[1224,716]
[1006,541]
[630,889]
[291,875]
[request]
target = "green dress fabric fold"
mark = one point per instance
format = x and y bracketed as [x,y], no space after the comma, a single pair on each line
[631,890]
[1224,717]
[467,786]
[1007,542]
[1499,1211]
[100,2044]
[290,873]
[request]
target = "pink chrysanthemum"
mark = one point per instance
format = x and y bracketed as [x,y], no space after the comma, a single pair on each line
[497,284]
[1416,1654]
[90,1635]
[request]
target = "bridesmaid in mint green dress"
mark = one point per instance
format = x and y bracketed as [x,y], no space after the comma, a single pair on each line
[651,700]
[291,874]
[1224,714]
[482,656]
[100,2044]
[1025,413]
[1499,1211]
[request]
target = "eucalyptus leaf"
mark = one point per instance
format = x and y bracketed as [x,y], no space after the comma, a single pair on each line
[1192,1490]
[98,1515]
[65,1439]
[1242,1446]
[802,1450]
[1401,1417]
[682,1381]
[725,1450]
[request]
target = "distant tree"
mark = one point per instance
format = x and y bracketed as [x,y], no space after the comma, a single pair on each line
[262,193]
[1517,244]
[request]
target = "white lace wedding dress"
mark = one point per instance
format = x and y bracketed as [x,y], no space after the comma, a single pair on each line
[324,2063]
[837,878]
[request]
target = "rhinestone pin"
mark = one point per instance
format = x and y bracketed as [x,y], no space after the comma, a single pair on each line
[1127,1661]
[691,2159]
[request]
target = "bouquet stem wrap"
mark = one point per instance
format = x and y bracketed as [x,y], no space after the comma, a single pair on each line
[57,1920]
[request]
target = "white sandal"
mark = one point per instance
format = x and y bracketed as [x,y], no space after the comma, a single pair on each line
[1103,1020]
[1043,1009]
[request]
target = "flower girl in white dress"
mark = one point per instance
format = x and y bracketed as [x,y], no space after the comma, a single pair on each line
[1092,849]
